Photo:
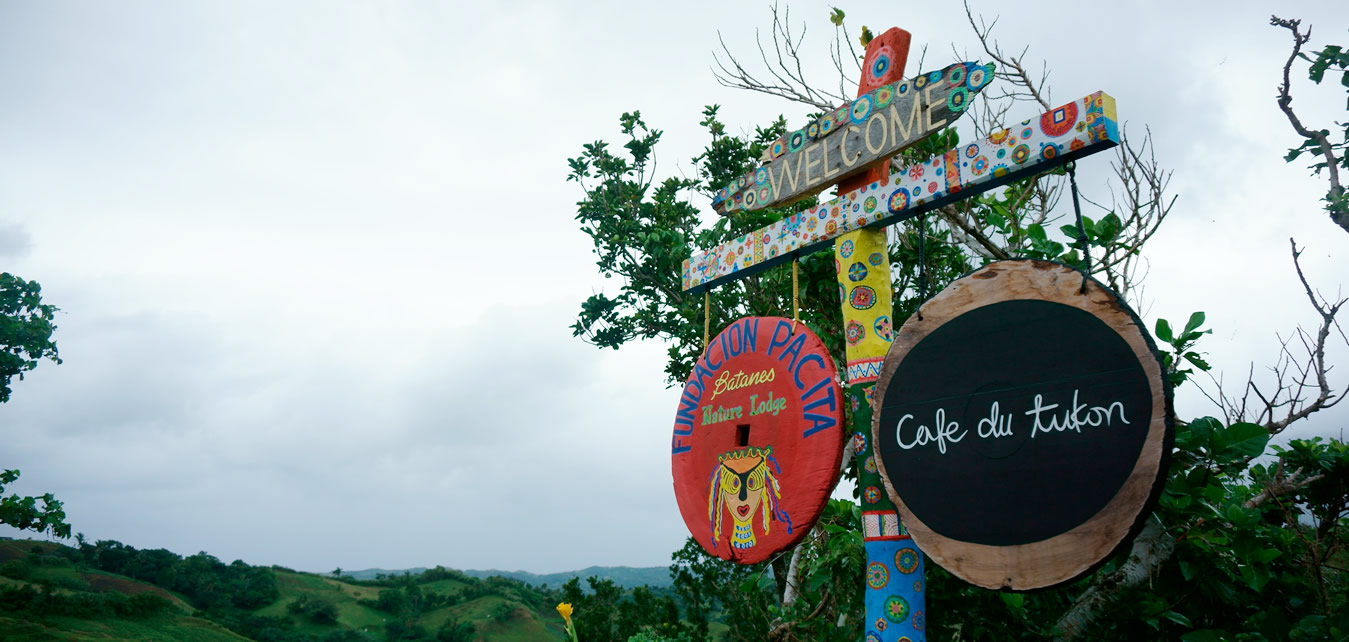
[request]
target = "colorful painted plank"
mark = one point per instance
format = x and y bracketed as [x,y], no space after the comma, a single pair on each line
[1080,128]
[852,138]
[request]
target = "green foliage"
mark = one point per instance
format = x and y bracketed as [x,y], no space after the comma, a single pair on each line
[606,614]
[316,608]
[24,513]
[44,601]
[1181,355]
[1331,58]
[25,330]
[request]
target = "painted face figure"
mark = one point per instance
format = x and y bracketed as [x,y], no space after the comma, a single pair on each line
[743,485]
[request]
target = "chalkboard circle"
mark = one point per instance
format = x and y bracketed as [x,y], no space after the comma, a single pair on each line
[1022,425]
[758,439]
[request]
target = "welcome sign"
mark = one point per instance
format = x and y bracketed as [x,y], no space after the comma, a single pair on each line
[757,439]
[1023,425]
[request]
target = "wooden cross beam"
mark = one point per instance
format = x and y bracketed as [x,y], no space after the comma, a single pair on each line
[1080,128]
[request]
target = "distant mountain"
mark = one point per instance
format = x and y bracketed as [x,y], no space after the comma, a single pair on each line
[624,576]
[371,573]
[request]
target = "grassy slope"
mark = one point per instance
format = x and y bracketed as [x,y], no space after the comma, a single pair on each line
[163,627]
[498,617]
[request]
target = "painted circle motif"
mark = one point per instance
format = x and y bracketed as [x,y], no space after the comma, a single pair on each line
[861,108]
[920,82]
[881,624]
[998,137]
[932,187]
[971,150]
[871,494]
[880,64]
[765,193]
[918,620]
[1021,153]
[899,201]
[977,78]
[870,464]
[877,575]
[745,501]
[846,249]
[1048,152]
[884,95]
[1060,121]
[979,166]
[935,76]
[904,638]
[761,176]
[859,439]
[796,140]
[813,130]
[863,298]
[882,327]
[956,101]
[902,89]
[1027,133]
[855,332]
[872,636]
[957,75]
[778,147]
[857,272]
[875,259]
[869,204]
[918,586]
[896,609]
[826,124]
[906,560]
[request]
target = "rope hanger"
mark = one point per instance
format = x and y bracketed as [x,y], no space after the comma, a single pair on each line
[1081,230]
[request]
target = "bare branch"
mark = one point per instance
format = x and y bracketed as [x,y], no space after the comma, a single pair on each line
[1285,100]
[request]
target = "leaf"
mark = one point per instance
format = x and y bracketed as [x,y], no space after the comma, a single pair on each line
[1205,635]
[1163,331]
[1178,618]
[1240,440]
[1187,572]
[1196,320]
[1198,361]
[836,16]
[1014,601]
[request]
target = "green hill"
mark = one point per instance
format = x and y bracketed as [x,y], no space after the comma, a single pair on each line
[624,576]
[110,591]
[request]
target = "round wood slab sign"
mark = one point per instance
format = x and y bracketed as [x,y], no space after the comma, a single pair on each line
[757,439]
[1023,425]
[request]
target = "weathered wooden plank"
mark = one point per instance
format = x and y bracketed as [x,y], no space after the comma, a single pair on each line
[1023,425]
[1080,128]
[852,138]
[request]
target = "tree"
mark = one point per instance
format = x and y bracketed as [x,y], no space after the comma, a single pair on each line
[26,339]
[25,330]
[1318,142]
[1236,544]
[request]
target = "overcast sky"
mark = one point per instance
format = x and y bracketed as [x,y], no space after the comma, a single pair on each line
[317,261]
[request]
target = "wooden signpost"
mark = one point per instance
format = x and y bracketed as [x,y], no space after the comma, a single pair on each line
[854,142]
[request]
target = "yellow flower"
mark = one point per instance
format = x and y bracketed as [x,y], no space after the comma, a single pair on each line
[564,609]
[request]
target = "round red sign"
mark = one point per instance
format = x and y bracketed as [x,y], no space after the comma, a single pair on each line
[757,439]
